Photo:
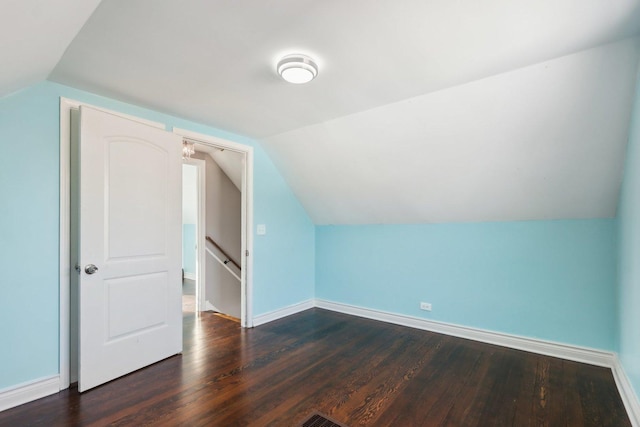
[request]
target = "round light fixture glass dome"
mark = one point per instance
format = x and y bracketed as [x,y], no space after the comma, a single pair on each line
[297,68]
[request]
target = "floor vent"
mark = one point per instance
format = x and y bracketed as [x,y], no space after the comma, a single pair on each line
[320,420]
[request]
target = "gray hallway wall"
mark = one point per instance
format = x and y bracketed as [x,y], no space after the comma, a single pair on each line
[223,225]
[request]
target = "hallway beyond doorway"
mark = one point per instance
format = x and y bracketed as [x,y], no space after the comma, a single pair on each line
[188,296]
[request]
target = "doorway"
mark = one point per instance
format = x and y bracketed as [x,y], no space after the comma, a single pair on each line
[67,264]
[220,250]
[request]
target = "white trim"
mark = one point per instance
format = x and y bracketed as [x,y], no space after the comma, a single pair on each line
[71,103]
[246,263]
[548,348]
[283,312]
[26,392]
[212,140]
[627,393]
[247,235]
[190,276]
[65,240]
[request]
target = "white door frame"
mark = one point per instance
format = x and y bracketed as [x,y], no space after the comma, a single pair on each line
[66,105]
[246,262]
[200,241]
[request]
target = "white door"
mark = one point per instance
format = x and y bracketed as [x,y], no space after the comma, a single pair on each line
[131,231]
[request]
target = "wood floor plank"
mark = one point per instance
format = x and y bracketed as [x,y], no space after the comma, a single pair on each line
[572,404]
[452,403]
[394,374]
[358,371]
[333,382]
[468,408]
[300,377]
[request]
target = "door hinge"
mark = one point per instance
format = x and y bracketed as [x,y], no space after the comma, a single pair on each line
[246,252]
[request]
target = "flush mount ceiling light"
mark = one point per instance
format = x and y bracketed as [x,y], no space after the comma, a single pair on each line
[297,68]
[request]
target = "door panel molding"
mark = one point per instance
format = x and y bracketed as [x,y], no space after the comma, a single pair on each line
[65,267]
[130,309]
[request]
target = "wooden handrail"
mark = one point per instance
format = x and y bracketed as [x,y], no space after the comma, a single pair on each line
[229,259]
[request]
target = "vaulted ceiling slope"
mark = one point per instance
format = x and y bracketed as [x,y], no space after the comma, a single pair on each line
[423,111]
[542,142]
[33,36]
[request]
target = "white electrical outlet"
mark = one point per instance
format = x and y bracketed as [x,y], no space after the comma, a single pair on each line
[261,229]
[425,306]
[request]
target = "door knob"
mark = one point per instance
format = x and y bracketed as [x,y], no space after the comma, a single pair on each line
[90,269]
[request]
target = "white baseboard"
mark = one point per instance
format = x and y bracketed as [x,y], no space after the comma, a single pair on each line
[533,345]
[190,276]
[283,312]
[628,395]
[26,392]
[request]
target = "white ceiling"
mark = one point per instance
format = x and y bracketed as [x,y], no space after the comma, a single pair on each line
[214,60]
[423,110]
[542,142]
[33,36]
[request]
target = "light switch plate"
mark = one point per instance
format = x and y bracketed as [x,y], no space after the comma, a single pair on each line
[261,229]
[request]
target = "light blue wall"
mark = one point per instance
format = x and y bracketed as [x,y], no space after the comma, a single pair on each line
[549,279]
[28,238]
[280,253]
[189,248]
[629,256]
[553,280]
[29,218]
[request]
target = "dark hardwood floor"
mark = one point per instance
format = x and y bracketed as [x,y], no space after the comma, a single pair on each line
[357,371]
